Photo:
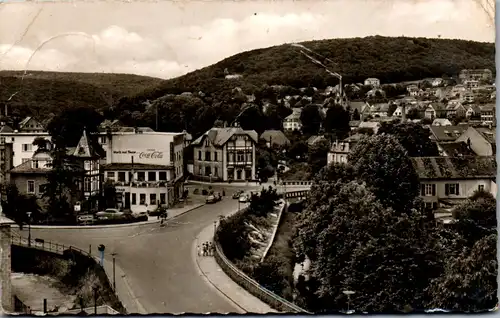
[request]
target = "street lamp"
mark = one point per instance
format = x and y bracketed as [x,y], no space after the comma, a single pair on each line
[114,276]
[215,228]
[348,293]
[29,228]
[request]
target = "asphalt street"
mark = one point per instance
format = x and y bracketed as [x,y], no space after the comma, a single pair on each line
[157,261]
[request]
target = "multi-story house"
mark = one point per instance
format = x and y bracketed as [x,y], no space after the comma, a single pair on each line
[292,121]
[146,167]
[472,111]
[445,181]
[226,154]
[488,114]
[476,74]
[30,177]
[471,84]
[467,97]
[434,110]
[373,82]
[455,109]
[340,149]
[86,155]
[481,140]
[22,139]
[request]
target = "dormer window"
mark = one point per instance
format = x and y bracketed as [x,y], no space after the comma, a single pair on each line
[81,151]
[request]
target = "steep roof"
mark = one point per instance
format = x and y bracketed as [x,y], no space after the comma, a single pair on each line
[455,167]
[488,134]
[86,148]
[27,167]
[219,136]
[6,129]
[275,136]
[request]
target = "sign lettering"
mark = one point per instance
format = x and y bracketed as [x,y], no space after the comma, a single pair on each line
[151,155]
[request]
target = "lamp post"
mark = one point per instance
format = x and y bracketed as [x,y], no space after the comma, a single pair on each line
[114,276]
[29,228]
[215,227]
[348,293]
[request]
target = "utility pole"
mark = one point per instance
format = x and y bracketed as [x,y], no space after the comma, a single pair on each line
[156,116]
[114,272]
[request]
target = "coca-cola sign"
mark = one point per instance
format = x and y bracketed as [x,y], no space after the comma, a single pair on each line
[151,155]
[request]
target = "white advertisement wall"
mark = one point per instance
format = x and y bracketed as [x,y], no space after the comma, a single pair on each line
[144,148]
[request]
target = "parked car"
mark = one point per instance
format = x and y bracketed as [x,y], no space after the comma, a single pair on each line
[237,194]
[141,216]
[243,198]
[85,219]
[211,199]
[110,214]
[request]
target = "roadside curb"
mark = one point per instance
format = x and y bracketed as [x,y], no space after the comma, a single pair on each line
[104,226]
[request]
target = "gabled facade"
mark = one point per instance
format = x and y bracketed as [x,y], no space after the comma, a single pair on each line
[225,154]
[488,115]
[340,149]
[292,121]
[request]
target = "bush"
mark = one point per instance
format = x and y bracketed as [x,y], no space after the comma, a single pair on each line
[232,236]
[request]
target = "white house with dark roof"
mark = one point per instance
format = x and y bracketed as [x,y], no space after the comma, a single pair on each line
[445,181]
[226,154]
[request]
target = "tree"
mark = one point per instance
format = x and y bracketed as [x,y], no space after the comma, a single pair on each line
[218,123]
[297,150]
[42,144]
[318,155]
[66,128]
[384,165]
[469,282]
[413,137]
[108,199]
[476,217]
[310,119]
[337,122]
[413,114]
[17,204]
[355,243]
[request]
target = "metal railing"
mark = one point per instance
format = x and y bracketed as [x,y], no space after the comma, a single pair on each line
[298,183]
[297,194]
[47,246]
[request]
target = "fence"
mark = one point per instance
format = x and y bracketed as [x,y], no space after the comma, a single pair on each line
[250,285]
[297,194]
[46,246]
[299,183]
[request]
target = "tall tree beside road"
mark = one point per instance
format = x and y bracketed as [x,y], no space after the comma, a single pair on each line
[310,119]
[384,165]
[413,137]
[336,122]
[17,204]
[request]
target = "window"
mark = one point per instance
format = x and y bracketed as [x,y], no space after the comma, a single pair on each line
[199,155]
[207,143]
[102,140]
[35,164]
[152,198]
[27,147]
[87,185]
[428,189]
[142,198]
[111,175]
[31,186]
[452,188]
[207,155]
[208,171]
[141,176]
[162,176]
[215,156]
[162,198]
[134,199]
[240,157]
[216,172]
[121,176]
[151,175]
[480,187]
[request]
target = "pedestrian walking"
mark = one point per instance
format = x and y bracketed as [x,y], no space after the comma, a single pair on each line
[204,249]
[212,249]
[198,249]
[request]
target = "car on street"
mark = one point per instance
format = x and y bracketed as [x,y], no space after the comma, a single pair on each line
[243,198]
[110,214]
[237,194]
[211,199]
[142,216]
[85,219]
[218,196]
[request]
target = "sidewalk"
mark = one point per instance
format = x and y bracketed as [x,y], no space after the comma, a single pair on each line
[210,270]
[172,213]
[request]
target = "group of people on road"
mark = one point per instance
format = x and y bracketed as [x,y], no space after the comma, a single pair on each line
[207,249]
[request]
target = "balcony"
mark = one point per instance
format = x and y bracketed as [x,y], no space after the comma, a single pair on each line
[142,184]
[239,163]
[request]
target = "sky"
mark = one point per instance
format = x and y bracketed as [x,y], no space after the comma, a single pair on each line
[166,39]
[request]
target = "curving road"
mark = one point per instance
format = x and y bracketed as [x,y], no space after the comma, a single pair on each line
[158,262]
